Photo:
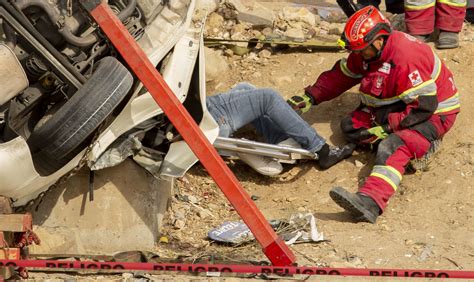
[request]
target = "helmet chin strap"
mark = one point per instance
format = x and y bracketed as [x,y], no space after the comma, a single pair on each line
[379,51]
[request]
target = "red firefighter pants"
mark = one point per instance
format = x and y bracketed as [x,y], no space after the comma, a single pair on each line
[394,152]
[422,16]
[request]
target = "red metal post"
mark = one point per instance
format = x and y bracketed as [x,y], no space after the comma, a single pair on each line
[273,247]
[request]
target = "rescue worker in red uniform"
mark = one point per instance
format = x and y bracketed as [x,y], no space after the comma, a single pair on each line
[423,16]
[408,101]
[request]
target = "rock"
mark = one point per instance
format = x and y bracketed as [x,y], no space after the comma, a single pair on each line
[179,224]
[214,21]
[127,275]
[229,52]
[334,29]
[332,14]
[192,199]
[238,28]
[358,164]
[267,31]
[251,12]
[324,25]
[298,14]
[296,34]
[265,53]
[216,65]
[208,5]
[202,214]
[179,214]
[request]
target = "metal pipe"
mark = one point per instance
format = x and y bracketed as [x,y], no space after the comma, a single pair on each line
[55,17]
[10,38]
[128,10]
[24,28]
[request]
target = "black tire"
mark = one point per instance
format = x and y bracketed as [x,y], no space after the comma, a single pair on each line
[71,128]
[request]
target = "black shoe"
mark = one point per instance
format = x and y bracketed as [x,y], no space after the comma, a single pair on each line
[329,156]
[447,40]
[361,207]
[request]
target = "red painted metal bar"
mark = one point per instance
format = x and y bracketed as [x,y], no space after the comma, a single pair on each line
[273,247]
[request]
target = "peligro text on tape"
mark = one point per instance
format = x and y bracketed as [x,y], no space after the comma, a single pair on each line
[237,268]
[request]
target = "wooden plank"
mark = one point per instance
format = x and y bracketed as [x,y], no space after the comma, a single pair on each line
[10,253]
[15,222]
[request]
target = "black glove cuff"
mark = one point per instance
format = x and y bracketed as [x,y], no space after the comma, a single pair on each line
[387,128]
[311,99]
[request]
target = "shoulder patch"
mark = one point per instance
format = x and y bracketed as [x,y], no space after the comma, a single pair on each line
[385,68]
[415,78]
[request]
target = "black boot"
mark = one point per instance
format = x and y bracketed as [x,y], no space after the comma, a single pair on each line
[329,156]
[361,207]
[447,40]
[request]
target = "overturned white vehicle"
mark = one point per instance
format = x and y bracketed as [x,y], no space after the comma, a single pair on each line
[66,95]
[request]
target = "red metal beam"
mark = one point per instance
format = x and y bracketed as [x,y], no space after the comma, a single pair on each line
[273,247]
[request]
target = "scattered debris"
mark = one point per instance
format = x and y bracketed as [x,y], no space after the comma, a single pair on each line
[425,253]
[300,228]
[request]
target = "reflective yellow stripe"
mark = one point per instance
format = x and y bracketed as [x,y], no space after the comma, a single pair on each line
[368,100]
[422,7]
[407,92]
[394,171]
[388,173]
[345,70]
[448,109]
[386,179]
[437,66]
[451,3]
[449,104]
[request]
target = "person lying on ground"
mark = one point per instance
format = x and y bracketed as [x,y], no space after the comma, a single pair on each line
[408,103]
[275,120]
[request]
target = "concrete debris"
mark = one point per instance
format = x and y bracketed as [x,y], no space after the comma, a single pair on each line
[331,14]
[252,12]
[207,5]
[298,14]
[215,64]
[179,224]
[265,53]
[295,34]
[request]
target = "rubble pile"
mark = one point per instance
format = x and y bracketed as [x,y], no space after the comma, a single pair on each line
[245,20]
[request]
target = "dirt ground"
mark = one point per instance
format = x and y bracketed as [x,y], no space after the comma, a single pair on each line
[428,224]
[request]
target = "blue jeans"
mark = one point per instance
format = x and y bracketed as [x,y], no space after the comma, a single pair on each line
[272,117]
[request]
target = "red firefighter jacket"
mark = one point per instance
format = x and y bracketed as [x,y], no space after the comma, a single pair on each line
[404,87]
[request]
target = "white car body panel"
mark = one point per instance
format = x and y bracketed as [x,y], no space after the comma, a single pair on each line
[180,157]
[18,178]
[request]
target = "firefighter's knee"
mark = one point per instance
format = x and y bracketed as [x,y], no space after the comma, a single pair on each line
[387,147]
